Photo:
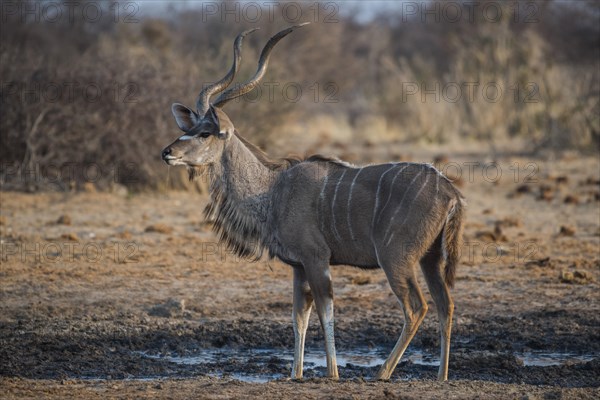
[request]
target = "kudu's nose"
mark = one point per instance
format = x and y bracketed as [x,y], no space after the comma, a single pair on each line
[166,152]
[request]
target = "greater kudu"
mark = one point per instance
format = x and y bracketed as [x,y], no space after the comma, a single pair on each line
[320,211]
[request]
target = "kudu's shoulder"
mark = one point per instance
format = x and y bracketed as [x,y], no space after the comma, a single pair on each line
[314,167]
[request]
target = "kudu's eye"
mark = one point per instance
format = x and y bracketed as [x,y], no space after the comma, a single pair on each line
[204,134]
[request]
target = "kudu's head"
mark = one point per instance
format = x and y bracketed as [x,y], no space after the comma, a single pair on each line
[208,129]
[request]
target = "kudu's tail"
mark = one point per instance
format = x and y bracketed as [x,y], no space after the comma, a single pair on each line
[452,239]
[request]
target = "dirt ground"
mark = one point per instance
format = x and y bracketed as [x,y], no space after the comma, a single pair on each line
[101,292]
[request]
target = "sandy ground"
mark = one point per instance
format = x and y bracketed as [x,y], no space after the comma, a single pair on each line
[100,291]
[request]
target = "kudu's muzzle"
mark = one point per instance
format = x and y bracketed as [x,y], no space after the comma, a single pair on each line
[169,155]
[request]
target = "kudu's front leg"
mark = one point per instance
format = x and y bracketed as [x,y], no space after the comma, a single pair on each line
[301,312]
[319,279]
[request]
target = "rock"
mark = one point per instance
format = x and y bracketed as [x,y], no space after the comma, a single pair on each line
[64,219]
[523,189]
[499,235]
[509,222]
[583,276]
[170,308]
[561,179]
[580,277]
[485,236]
[124,235]
[491,237]
[590,181]
[546,193]
[70,236]
[567,277]
[160,228]
[571,199]
[542,262]
[566,231]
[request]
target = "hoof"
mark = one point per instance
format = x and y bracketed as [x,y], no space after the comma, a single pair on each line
[382,377]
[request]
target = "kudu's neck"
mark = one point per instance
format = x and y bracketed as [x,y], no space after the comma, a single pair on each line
[240,198]
[242,176]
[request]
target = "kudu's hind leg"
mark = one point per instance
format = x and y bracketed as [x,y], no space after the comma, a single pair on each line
[432,267]
[300,315]
[404,284]
[319,279]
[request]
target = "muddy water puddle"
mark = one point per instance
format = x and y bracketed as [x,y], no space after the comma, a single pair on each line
[259,359]
[257,365]
[544,359]
[312,358]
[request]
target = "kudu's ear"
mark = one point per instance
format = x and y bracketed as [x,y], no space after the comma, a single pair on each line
[186,118]
[221,121]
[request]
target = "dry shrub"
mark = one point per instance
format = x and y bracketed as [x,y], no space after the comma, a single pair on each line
[351,75]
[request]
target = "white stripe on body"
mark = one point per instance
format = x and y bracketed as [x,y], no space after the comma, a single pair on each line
[438,176]
[337,186]
[321,199]
[401,203]
[349,200]
[377,194]
[392,189]
[409,208]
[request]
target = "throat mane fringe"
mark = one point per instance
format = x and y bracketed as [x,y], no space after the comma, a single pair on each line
[243,234]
